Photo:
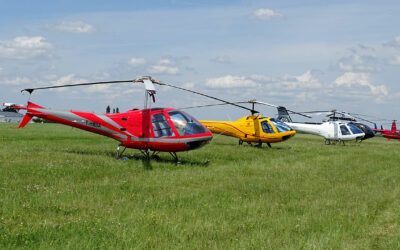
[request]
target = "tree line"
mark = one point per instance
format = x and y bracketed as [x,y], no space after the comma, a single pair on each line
[114,110]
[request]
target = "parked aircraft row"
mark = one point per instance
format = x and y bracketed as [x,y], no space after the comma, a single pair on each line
[162,129]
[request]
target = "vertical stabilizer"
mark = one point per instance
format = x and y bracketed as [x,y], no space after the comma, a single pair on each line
[394,126]
[28,116]
[283,115]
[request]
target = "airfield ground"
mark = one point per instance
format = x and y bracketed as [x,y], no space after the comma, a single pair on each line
[62,188]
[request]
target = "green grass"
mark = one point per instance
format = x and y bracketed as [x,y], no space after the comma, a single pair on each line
[61,188]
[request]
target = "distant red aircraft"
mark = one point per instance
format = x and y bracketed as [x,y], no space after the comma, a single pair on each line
[390,134]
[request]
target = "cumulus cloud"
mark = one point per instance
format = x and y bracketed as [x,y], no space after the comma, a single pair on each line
[222,59]
[17,81]
[306,80]
[74,27]
[24,47]
[73,79]
[350,79]
[290,82]
[188,85]
[395,60]
[230,81]
[397,40]
[164,66]
[266,14]
[394,42]
[134,62]
[359,63]
[68,79]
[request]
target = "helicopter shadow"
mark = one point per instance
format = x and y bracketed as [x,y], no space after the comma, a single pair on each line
[86,152]
[148,163]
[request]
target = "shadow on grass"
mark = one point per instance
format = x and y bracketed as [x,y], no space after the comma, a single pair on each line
[147,164]
[223,144]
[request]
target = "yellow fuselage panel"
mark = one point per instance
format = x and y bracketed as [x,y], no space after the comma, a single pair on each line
[247,129]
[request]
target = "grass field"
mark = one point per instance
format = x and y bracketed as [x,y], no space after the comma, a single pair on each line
[62,188]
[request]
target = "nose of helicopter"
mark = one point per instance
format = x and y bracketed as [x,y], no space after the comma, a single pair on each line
[288,135]
[198,142]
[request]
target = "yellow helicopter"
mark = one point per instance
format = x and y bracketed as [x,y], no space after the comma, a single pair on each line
[253,128]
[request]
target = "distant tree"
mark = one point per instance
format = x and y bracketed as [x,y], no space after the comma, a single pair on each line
[113,111]
[108,109]
[117,110]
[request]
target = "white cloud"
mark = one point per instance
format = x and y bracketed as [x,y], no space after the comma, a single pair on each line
[362,63]
[74,27]
[17,81]
[164,69]
[266,14]
[165,61]
[230,81]
[164,66]
[24,47]
[137,61]
[188,85]
[395,60]
[72,79]
[350,79]
[289,82]
[222,59]
[308,80]
[397,40]
[68,79]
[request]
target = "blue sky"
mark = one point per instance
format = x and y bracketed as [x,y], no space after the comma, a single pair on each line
[307,55]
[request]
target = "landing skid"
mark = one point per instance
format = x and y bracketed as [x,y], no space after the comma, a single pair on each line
[334,142]
[147,154]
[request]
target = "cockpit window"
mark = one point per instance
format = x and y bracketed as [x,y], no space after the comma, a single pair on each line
[185,124]
[266,127]
[280,126]
[344,130]
[354,129]
[161,127]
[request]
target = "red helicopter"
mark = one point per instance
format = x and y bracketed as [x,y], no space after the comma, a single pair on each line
[389,134]
[150,130]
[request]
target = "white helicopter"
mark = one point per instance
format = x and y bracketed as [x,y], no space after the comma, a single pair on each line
[333,130]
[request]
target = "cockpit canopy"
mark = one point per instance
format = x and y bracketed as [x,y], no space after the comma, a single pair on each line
[183,123]
[279,126]
[344,129]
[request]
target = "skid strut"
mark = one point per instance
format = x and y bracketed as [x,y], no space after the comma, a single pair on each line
[175,157]
[118,154]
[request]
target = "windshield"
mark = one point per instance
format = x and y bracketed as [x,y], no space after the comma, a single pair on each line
[185,124]
[280,126]
[354,129]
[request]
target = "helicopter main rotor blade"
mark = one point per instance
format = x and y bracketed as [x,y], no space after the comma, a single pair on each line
[317,111]
[212,97]
[357,117]
[275,106]
[211,105]
[30,90]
